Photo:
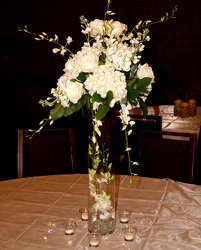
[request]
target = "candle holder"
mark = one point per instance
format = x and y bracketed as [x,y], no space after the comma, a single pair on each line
[69,227]
[193,107]
[185,110]
[84,214]
[129,233]
[94,239]
[124,216]
[177,107]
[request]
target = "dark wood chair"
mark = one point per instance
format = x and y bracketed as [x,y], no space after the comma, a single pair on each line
[167,155]
[150,123]
[51,151]
[197,162]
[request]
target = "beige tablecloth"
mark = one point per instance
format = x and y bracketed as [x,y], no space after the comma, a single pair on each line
[167,214]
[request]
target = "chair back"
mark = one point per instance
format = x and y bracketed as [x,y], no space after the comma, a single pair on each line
[167,155]
[197,162]
[150,123]
[52,151]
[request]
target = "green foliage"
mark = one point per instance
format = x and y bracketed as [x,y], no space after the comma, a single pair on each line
[132,95]
[82,77]
[143,107]
[135,86]
[104,108]
[102,59]
[132,72]
[102,111]
[141,84]
[57,112]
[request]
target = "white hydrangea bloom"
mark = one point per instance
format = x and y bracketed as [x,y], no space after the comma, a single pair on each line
[120,55]
[98,45]
[71,68]
[109,41]
[105,78]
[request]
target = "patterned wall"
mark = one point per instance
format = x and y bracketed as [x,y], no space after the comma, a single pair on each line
[174,50]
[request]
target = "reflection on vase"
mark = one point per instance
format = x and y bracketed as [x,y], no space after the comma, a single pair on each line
[101,201]
[101,205]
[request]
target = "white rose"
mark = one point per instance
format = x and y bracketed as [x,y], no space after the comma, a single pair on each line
[74,91]
[88,62]
[96,27]
[69,65]
[118,28]
[145,71]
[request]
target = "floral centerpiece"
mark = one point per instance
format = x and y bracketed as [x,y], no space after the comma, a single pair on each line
[104,73]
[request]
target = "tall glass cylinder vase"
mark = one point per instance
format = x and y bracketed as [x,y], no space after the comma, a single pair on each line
[101,206]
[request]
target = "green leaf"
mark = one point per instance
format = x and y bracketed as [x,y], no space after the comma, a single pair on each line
[109,97]
[143,107]
[124,101]
[75,107]
[97,98]
[142,83]
[102,59]
[130,82]
[102,111]
[57,112]
[132,94]
[82,77]
[73,80]
[133,71]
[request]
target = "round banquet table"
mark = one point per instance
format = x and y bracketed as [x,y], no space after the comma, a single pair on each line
[167,214]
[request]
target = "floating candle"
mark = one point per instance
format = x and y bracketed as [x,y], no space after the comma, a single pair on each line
[69,227]
[129,233]
[124,216]
[128,236]
[94,239]
[124,219]
[69,231]
[84,214]
[94,242]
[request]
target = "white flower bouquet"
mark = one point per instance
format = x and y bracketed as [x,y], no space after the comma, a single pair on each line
[105,72]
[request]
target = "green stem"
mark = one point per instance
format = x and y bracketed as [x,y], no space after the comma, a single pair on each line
[45,121]
[45,38]
[163,19]
[128,152]
[108,6]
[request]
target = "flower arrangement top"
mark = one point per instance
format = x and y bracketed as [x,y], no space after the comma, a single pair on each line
[106,71]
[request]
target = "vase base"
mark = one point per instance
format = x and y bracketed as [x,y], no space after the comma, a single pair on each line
[103,227]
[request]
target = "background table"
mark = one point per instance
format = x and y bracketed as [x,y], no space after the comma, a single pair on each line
[166,214]
[174,123]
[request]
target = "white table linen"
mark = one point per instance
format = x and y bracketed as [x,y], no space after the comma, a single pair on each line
[175,123]
[167,214]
